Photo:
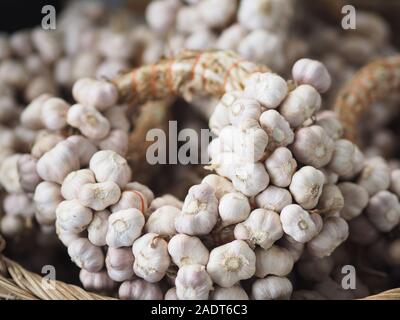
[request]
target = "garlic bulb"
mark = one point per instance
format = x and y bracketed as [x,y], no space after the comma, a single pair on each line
[298,223]
[151,257]
[162,221]
[231,263]
[86,255]
[347,159]
[119,263]
[72,216]
[85,148]
[199,212]
[334,232]
[108,165]
[57,163]
[47,197]
[139,290]
[193,283]
[250,178]
[273,198]
[243,109]
[383,210]
[312,146]
[171,294]
[294,247]
[331,200]
[29,179]
[184,250]
[279,132]
[142,189]
[280,167]
[54,113]
[272,288]
[375,176]
[220,184]
[235,292]
[74,181]
[312,72]
[9,175]
[44,142]
[130,199]
[99,196]
[329,121]
[233,208]
[96,281]
[300,105]
[273,261]
[306,186]
[355,200]
[94,93]
[262,228]
[97,229]
[124,227]
[268,88]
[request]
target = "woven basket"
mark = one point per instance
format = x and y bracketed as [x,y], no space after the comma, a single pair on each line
[190,73]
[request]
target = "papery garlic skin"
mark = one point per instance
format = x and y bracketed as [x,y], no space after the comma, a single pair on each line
[162,221]
[108,165]
[85,148]
[139,290]
[233,208]
[199,212]
[151,257]
[9,175]
[86,255]
[347,159]
[124,227]
[298,223]
[375,175]
[185,249]
[272,288]
[331,200]
[29,179]
[273,198]
[72,216]
[193,283]
[221,185]
[117,141]
[273,261]
[130,199]
[97,229]
[171,294]
[54,113]
[249,178]
[329,121]
[231,263]
[262,228]
[142,189]
[281,166]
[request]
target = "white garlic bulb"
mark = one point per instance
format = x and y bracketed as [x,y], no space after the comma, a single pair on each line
[280,167]
[300,105]
[124,227]
[355,199]
[9,175]
[96,281]
[231,263]
[151,257]
[235,292]
[262,228]
[331,200]
[199,212]
[72,216]
[85,148]
[329,121]
[273,261]
[306,186]
[233,208]
[375,176]
[139,290]
[312,146]
[312,72]
[273,198]
[86,255]
[298,223]
[162,221]
[268,88]
[54,113]
[47,197]
[242,109]
[108,165]
[221,185]
[97,229]
[99,196]
[347,159]
[272,288]
[119,263]
[383,210]
[185,249]
[193,283]
[279,132]
[74,181]
[249,178]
